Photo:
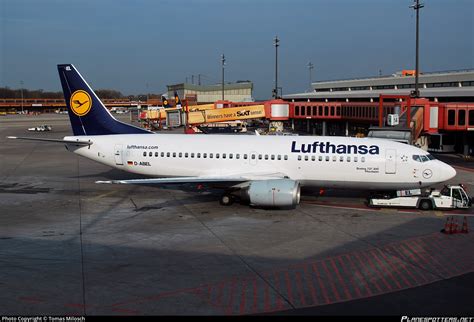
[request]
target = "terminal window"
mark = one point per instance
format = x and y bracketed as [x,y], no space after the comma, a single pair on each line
[462,117]
[451,117]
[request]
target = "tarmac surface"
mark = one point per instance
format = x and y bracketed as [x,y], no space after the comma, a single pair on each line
[70,246]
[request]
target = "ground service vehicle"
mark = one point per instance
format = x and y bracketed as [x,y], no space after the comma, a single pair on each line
[450,197]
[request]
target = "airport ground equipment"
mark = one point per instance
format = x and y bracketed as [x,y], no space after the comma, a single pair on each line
[450,197]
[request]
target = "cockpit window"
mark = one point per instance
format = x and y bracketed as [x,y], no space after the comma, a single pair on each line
[423,158]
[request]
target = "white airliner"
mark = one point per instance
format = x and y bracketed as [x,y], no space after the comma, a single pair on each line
[263,170]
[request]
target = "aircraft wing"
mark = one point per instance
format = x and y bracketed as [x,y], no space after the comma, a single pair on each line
[85,143]
[232,178]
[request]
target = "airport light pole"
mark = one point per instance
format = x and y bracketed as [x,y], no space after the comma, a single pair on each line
[417,6]
[310,68]
[21,89]
[276,42]
[223,64]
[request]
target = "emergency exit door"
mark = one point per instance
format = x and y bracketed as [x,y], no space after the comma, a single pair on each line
[118,154]
[391,161]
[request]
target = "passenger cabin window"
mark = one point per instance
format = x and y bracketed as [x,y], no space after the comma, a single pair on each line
[217,155]
[471,117]
[266,156]
[362,159]
[327,158]
[174,154]
[211,155]
[260,157]
[279,157]
[144,154]
[231,156]
[204,155]
[223,155]
[320,158]
[245,156]
[162,154]
[156,154]
[313,158]
[150,154]
[355,159]
[168,154]
[306,158]
[341,158]
[180,154]
[334,158]
[286,157]
[273,157]
[186,155]
[299,157]
[253,156]
[198,155]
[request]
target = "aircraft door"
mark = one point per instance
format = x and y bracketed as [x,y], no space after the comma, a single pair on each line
[118,154]
[391,161]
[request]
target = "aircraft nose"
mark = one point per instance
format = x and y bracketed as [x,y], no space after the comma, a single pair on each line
[448,172]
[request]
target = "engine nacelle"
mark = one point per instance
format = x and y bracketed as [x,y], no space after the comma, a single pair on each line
[272,193]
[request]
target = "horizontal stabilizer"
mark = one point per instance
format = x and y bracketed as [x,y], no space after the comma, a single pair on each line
[74,142]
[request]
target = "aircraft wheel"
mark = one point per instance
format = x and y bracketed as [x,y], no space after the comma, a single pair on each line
[425,204]
[226,200]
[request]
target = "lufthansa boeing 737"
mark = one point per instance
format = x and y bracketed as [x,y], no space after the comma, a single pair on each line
[263,170]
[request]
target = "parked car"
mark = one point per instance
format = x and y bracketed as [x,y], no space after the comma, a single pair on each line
[41,128]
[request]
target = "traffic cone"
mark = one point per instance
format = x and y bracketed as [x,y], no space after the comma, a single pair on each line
[464,229]
[456,226]
[446,229]
[451,225]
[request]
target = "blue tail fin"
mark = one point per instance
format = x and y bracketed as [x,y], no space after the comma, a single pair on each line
[87,113]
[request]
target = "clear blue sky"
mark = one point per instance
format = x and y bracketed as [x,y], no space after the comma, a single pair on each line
[124,45]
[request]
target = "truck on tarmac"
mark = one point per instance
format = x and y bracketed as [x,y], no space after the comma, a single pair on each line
[450,197]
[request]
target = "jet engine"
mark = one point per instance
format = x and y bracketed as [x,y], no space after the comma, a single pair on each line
[272,193]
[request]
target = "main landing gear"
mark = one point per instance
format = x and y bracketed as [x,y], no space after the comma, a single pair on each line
[226,199]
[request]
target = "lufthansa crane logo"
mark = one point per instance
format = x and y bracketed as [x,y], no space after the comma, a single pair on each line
[80,102]
[427,174]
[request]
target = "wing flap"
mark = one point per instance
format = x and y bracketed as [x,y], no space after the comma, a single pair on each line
[200,179]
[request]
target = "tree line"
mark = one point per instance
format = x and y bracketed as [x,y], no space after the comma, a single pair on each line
[6,92]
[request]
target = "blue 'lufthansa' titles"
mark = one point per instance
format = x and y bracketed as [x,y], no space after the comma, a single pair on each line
[327,147]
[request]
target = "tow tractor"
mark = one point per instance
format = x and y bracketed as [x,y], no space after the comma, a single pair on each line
[450,197]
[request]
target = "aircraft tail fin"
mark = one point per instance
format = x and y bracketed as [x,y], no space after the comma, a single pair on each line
[87,113]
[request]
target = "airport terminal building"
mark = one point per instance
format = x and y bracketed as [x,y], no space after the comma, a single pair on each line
[450,86]
[241,91]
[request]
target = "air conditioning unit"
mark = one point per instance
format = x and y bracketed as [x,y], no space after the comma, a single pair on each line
[393,119]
